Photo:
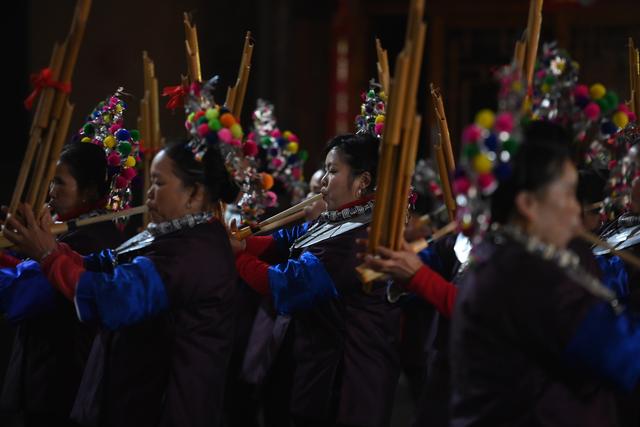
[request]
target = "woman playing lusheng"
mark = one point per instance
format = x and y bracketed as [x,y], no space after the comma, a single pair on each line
[344,339]
[51,346]
[535,339]
[164,299]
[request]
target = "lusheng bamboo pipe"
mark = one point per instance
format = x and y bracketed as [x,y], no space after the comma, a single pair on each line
[368,275]
[285,217]
[62,227]
[624,255]
[383,67]
[438,104]
[236,94]
[192,50]
[533,38]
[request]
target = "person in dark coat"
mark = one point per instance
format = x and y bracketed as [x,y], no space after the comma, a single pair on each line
[536,340]
[345,345]
[51,346]
[164,300]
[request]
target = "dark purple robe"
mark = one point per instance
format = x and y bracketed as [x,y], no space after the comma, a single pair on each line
[169,369]
[51,349]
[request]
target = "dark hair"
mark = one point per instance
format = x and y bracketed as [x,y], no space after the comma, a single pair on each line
[87,164]
[211,172]
[591,185]
[538,162]
[360,152]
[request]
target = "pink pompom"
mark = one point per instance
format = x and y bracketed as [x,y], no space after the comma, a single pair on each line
[592,111]
[188,125]
[114,128]
[276,133]
[461,185]
[540,74]
[435,188]
[277,162]
[252,136]
[378,128]
[121,181]
[250,148]
[296,173]
[270,199]
[293,137]
[113,159]
[504,122]
[623,107]
[224,134]
[471,133]
[581,91]
[485,181]
[632,116]
[203,129]
[235,143]
[129,173]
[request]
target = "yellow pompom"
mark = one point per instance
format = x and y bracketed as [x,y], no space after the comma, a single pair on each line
[236,131]
[516,86]
[106,118]
[545,88]
[85,139]
[130,162]
[620,119]
[286,134]
[485,118]
[382,95]
[482,163]
[292,147]
[119,108]
[379,118]
[597,91]
[109,142]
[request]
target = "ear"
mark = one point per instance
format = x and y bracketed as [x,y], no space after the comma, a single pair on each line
[364,180]
[198,195]
[526,206]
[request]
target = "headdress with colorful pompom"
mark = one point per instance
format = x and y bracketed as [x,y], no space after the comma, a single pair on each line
[372,111]
[279,155]
[105,127]
[209,125]
[624,169]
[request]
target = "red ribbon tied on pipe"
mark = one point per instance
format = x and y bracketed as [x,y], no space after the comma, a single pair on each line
[42,80]
[176,94]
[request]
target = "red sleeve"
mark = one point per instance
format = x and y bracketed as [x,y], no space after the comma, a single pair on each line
[63,268]
[253,271]
[261,246]
[434,289]
[7,260]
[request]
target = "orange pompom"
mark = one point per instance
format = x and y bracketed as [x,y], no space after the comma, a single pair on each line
[267,181]
[227,120]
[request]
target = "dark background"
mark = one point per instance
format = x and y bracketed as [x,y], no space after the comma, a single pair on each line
[293,58]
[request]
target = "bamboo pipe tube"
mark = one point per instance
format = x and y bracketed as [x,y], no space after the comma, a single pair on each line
[243,75]
[62,227]
[74,40]
[282,218]
[444,128]
[192,49]
[40,121]
[624,255]
[519,55]
[533,29]
[58,143]
[444,179]
[388,153]
[368,275]
[383,66]
[405,179]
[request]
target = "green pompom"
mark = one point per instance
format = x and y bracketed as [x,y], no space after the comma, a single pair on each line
[124,148]
[202,120]
[550,80]
[88,129]
[510,145]
[303,155]
[214,125]
[265,141]
[470,151]
[612,100]
[212,113]
[135,134]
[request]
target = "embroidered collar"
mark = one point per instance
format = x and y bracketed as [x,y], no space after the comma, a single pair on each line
[566,259]
[347,213]
[154,231]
